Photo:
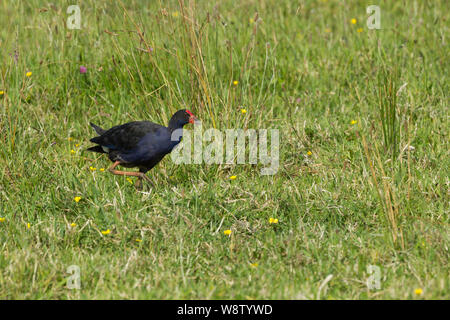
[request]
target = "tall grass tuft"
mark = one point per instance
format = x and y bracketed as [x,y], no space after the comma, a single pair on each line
[382,164]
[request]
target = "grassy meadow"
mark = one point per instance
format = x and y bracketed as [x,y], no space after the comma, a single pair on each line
[363,180]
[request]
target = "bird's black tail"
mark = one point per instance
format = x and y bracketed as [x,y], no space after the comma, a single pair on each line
[97,129]
[98,149]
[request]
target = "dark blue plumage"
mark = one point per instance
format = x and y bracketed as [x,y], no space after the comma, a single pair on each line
[139,144]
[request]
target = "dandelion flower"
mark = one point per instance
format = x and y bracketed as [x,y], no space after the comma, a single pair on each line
[359,30]
[28,74]
[235,82]
[272,220]
[73,224]
[243,111]
[72,151]
[129,180]
[233,177]
[77,145]
[353,122]
[102,169]
[77,199]
[309,153]
[83,69]
[107,231]
[2,219]
[28,225]
[353,21]
[418,292]
[2,92]
[227,232]
[92,168]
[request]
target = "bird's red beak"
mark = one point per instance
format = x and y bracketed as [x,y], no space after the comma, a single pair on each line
[192,118]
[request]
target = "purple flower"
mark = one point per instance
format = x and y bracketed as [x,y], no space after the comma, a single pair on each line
[83,69]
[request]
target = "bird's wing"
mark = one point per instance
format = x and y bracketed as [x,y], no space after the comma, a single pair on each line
[153,145]
[126,137]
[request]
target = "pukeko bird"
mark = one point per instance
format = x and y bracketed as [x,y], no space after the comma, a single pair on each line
[140,144]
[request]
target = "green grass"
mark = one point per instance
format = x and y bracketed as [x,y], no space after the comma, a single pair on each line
[302,68]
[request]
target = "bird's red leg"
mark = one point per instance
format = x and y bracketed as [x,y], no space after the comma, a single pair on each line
[123,173]
[140,175]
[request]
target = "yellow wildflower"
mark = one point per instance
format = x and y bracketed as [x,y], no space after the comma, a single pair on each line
[227,232]
[70,138]
[28,225]
[106,232]
[2,92]
[359,30]
[418,292]
[2,219]
[235,82]
[102,169]
[254,265]
[129,180]
[92,168]
[77,199]
[353,21]
[29,73]
[272,220]
[175,14]
[77,145]
[73,224]
[72,151]
[251,20]
[243,111]
[353,122]
[309,153]
[138,240]
[327,30]
[233,177]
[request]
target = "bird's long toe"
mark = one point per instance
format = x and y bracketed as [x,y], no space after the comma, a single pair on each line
[143,176]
